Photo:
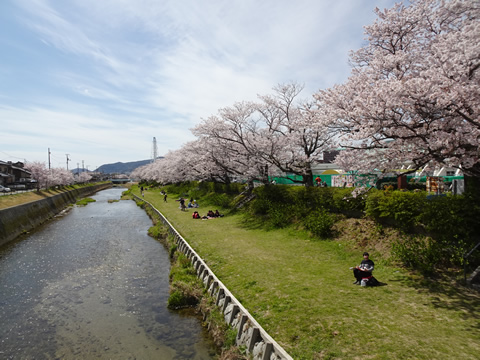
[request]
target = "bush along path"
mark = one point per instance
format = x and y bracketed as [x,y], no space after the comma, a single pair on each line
[299,288]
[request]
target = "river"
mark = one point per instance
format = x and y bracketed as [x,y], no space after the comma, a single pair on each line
[92,284]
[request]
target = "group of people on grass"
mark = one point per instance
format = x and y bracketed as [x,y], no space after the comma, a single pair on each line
[191,204]
[210,215]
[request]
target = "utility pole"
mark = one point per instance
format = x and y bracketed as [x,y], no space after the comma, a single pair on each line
[49,158]
[83,165]
[67,160]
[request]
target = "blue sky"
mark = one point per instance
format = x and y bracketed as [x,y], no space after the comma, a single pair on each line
[98,79]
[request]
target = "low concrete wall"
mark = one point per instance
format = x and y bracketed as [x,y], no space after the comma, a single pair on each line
[250,334]
[17,220]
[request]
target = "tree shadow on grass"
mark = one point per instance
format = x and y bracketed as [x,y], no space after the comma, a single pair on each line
[448,294]
[253,222]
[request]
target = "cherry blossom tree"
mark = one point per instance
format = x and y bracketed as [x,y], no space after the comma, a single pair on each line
[83,177]
[39,173]
[49,177]
[274,135]
[293,139]
[176,166]
[60,177]
[230,141]
[413,96]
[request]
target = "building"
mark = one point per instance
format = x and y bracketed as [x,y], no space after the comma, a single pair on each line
[12,174]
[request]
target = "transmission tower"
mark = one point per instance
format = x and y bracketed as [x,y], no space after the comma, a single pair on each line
[154,150]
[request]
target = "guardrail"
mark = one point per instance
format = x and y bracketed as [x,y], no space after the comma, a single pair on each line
[249,333]
[16,191]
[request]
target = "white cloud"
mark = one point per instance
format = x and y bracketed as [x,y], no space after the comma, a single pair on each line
[114,73]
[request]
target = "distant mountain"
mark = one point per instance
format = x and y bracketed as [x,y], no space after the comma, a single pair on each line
[122,168]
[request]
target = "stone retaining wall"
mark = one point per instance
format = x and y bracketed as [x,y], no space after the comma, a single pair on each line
[19,219]
[250,334]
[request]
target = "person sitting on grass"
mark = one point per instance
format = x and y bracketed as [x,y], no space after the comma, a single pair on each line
[196,215]
[217,214]
[210,214]
[364,270]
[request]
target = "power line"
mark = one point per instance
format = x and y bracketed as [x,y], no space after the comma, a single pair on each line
[11,156]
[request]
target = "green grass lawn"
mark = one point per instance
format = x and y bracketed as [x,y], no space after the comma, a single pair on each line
[300,290]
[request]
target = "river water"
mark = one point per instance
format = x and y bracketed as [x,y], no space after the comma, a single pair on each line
[93,285]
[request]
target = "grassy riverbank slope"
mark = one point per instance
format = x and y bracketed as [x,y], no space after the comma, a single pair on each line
[300,290]
[9,200]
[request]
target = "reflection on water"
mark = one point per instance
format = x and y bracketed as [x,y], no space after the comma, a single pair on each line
[93,285]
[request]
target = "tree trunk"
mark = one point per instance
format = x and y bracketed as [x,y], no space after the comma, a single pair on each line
[472,181]
[265,175]
[308,178]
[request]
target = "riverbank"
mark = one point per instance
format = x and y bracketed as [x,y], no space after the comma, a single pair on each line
[21,198]
[300,290]
[193,284]
[93,285]
[21,213]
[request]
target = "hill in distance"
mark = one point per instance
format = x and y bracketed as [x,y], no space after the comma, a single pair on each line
[122,168]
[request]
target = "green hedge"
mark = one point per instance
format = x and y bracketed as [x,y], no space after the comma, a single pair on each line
[450,221]
[404,208]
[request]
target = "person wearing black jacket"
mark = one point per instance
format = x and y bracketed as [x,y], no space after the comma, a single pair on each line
[364,270]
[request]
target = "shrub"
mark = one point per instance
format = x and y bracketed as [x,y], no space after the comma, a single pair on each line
[184,288]
[181,297]
[158,231]
[373,207]
[320,223]
[447,217]
[344,201]
[307,199]
[453,222]
[270,197]
[172,249]
[276,205]
[402,207]
[419,253]
[222,200]
[259,207]
[280,215]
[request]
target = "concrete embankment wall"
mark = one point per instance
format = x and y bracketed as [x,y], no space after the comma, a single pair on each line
[259,344]
[16,220]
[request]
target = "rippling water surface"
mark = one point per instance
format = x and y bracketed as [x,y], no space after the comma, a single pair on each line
[93,285]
